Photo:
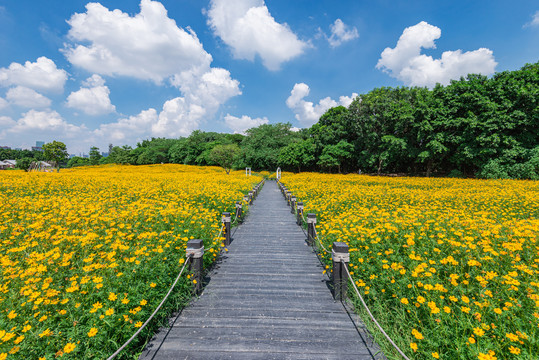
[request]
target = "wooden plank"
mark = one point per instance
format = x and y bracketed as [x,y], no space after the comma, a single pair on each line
[267,298]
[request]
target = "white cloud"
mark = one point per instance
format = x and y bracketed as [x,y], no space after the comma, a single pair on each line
[406,63]
[92,99]
[534,21]
[306,112]
[340,33]
[147,46]
[3,103]
[42,75]
[130,129]
[249,29]
[240,124]
[25,97]
[6,121]
[47,120]
[203,96]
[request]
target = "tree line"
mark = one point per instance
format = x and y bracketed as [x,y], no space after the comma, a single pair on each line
[475,126]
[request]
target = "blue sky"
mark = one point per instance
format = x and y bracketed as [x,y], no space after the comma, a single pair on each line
[90,74]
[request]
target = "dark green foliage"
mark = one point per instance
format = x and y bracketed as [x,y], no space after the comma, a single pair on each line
[475,126]
[95,156]
[224,155]
[55,151]
[24,163]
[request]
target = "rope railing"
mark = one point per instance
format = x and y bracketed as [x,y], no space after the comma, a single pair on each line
[339,290]
[371,315]
[199,253]
[153,314]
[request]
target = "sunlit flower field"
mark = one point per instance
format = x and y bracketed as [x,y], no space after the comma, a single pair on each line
[88,253]
[449,267]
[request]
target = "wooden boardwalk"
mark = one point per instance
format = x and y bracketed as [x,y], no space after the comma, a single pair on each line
[266,299]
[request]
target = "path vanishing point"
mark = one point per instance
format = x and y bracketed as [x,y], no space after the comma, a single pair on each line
[267,298]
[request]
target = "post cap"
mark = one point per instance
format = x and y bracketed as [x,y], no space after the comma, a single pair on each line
[195,244]
[340,247]
[311,215]
[226,214]
[300,203]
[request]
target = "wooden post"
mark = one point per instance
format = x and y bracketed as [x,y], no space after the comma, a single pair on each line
[226,220]
[292,204]
[195,247]
[339,277]
[239,210]
[311,221]
[299,219]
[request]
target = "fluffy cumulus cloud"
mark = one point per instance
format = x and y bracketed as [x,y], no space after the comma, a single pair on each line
[47,120]
[240,124]
[42,75]
[6,121]
[25,97]
[406,63]
[307,113]
[340,33]
[148,46]
[132,128]
[93,98]
[249,29]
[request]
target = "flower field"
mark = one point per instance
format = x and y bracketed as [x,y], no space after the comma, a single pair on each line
[449,267]
[87,254]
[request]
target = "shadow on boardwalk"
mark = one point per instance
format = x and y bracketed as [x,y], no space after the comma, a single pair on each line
[267,299]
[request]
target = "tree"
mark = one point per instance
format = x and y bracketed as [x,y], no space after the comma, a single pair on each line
[95,156]
[55,151]
[334,155]
[262,145]
[225,155]
[297,154]
[24,163]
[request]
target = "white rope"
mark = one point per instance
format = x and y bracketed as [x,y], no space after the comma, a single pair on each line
[155,312]
[319,241]
[370,314]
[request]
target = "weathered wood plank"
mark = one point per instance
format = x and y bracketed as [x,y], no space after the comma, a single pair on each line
[267,298]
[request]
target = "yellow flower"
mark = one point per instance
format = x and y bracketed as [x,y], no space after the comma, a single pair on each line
[512,336]
[417,334]
[153,285]
[143,302]
[413,346]
[435,355]
[471,340]
[19,339]
[45,333]
[405,301]
[12,315]
[138,324]
[489,356]
[514,350]
[478,331]
[69,347]
[112,296]
[92,332]
[109,312]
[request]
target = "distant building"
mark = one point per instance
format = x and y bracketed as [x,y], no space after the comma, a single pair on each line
[5,147]
[3,165]
[10,164]
[35,148]
[40,143]
[18,149]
